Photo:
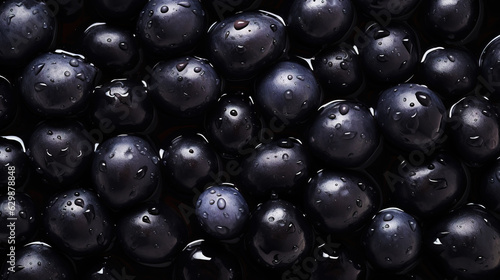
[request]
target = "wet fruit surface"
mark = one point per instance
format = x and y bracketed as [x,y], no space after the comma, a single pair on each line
[279,235]
[393,240]
[455,243]
[184,86]
[222,211]
[344,133]
[411,116]
[78,222]
[37,259]
[341,202]
[125,171]
[249,139]
[241,45]
[57,84]
[151,233]
[28,28]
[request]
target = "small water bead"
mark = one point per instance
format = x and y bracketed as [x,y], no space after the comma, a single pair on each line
[74,62]
[141,173]
[423,98]
[381,34]
[359,203]
[382,58]
[22,214]
[184,4]
[40,86]
[221,203]
[413,225]
[240,24]
[344,109]
[222,230]
[181,66]
[102,166]
[388,217]
[79,202]
[153,211]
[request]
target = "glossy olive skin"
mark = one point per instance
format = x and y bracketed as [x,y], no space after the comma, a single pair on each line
[475,130]
[122,106]
[280,166]
[222,211]
[184,86]
[338,70]
[57,84]
[465,243]
[203,260]
[278,235]
[37,259]
[117,10]
[451,23]
[390,53]
[13,159]
[151,233]
[78,222]
[320,22]
[241,45]
[110,48]
[158,33]
[288,92]
[337,261]
[393,241]
[489,67]
[190,162]
[233,126]
[16,46]
[411,116]
[26,223]
[449,71]
[125,171]
[489,185]
[60,151]
[343,133]
[341,202]
[387,9]
[8,103]
[431,188]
